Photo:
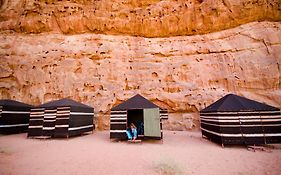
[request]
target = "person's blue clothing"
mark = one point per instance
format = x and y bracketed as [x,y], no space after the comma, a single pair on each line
[131,133]
[135,133]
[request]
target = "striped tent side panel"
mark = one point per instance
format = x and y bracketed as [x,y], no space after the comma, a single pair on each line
[1,122]
[49,122]
[222,127]
[81,121]
[36,122]
[118,124]
[272,128]
[241,128]
[62,122]
[163,114]
[13,119]
[244,113]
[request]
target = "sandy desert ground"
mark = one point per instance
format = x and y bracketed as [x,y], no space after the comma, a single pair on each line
[181,152]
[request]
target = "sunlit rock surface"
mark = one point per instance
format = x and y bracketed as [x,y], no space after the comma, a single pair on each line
[183,74]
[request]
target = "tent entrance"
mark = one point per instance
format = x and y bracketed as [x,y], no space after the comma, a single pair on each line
[147,121]
[135,116]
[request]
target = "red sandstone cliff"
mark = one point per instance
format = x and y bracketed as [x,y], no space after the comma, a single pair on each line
[149,18]
[182,73]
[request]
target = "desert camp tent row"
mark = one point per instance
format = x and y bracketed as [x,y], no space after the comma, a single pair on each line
[230,120]
[14,116]
[238,120]
[140,111]
[60,118]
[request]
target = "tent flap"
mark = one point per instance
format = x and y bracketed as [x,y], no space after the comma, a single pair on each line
[152,122]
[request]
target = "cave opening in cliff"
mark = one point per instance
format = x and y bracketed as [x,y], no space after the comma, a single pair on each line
[135,116]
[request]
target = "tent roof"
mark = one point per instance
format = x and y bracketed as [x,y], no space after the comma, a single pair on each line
[136,102]
[7,102]
[64,102]
[235,103]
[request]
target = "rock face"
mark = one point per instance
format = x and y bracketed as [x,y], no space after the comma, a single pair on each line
[149,18]
[183,73]
[122,47]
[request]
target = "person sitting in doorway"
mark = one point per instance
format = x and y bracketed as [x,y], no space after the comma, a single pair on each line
[132,132]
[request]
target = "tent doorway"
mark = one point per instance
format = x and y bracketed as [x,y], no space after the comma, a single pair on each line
[135,116]
[147,121]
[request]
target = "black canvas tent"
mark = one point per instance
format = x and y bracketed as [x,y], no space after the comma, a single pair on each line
[14,116]
[142,113]
[238,120]
[60,118]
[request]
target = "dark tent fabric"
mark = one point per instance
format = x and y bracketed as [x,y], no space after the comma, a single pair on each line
[13,103]
[238,120]
[60,118]
[236,103]
[14,116]
[136,102]
[64,102]
[144,114]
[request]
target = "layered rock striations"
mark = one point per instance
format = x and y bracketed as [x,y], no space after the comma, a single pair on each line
[183,74]
[148,18]
[174,52]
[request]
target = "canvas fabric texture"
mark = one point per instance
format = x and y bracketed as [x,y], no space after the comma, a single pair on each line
[152,122]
